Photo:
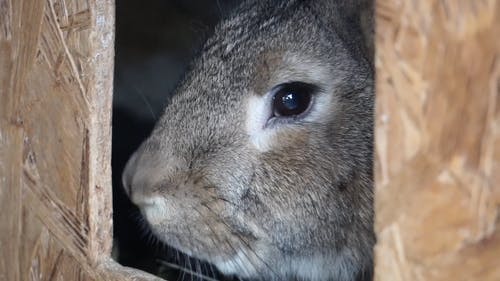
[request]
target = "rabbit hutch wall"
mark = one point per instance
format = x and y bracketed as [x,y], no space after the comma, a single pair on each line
[437,140]
[56,73]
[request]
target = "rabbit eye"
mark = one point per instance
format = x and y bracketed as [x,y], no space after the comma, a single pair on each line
[292,99]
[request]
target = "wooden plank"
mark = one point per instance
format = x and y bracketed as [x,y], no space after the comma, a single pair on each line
[14,56]
[43,257]
[56,67]
[438,140]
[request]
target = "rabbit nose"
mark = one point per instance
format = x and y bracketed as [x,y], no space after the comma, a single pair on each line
[143,172]
[128,174]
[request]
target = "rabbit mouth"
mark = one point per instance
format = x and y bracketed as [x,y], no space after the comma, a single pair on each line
[202,235]
[217,248]
[243,261]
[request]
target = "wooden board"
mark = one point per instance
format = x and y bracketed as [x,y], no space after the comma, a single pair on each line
[56,67]
[438,140]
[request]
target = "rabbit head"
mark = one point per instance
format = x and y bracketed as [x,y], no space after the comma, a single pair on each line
[262,162]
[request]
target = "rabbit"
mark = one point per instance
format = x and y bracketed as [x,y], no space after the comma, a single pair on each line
[261,163]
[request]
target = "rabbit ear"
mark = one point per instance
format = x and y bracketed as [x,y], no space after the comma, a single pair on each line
[352,20]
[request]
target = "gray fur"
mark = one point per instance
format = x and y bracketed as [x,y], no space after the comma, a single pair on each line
[301,209]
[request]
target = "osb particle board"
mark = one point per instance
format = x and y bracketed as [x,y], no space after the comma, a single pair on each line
[56,67]
[438,140]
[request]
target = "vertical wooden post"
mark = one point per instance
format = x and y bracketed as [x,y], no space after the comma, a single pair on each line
[56,67]
[438,140]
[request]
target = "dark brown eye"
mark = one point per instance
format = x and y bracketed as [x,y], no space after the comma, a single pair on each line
[292,99]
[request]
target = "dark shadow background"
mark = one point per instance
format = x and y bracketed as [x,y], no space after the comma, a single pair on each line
[155,42]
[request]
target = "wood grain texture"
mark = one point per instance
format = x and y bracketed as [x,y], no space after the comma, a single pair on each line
[438,140]
[56,67]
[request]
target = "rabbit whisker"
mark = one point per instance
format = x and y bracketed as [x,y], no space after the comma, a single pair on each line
[186,270]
